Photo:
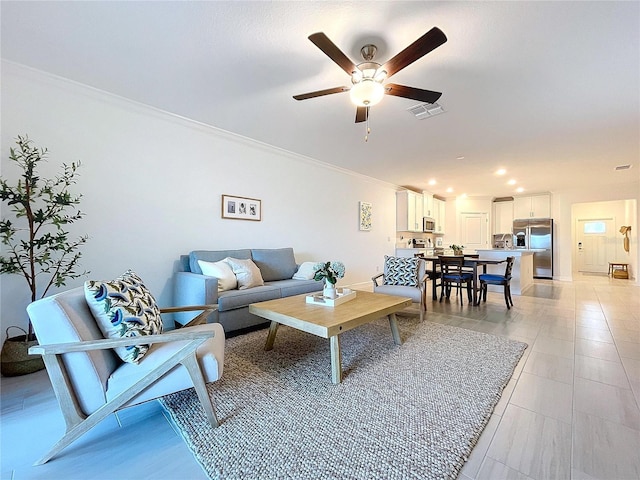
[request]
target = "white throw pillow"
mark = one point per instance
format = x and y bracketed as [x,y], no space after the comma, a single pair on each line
[246,272]
[306,271]
[222,271]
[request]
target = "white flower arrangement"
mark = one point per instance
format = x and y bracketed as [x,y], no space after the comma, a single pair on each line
[329,271]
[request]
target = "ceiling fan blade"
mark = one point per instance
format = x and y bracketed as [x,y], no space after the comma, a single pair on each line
[321,41]
[361,114]
[427,96]
[426,43]
[320,93]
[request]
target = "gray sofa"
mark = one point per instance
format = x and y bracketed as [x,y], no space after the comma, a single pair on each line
[277,267]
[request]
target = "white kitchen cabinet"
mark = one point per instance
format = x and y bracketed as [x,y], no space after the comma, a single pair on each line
[428,202]
[502,217]
[409,211]
[534,206]
[439,214]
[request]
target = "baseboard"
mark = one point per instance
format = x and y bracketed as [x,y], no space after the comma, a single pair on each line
[366,286]
[563,278]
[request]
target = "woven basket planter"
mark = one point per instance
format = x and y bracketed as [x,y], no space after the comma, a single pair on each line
[15,359]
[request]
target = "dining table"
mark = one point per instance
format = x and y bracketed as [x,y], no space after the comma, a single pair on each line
[472,262]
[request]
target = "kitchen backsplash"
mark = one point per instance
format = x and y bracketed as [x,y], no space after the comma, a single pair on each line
[405,240]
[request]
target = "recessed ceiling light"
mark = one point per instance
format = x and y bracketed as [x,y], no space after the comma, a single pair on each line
[501,171]
[623,167]
[519,189]
[511,182]
[461,157]
[449,190]
[432,181]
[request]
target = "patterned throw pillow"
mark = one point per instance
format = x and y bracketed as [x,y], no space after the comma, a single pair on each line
[124,307]
[401,271]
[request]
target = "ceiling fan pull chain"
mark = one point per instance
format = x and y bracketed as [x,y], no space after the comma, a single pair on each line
[366,137]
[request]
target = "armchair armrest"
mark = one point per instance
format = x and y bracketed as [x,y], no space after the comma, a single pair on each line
[375,279]
[205,311]
[189,308]
[107,343]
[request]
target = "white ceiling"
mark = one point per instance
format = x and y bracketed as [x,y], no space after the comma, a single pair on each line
[550,91]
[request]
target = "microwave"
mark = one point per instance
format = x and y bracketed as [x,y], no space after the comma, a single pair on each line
[428,225]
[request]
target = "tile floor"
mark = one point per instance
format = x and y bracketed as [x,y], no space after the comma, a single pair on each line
[570,410]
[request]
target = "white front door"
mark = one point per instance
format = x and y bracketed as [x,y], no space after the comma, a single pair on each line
[474,231]
[596,244]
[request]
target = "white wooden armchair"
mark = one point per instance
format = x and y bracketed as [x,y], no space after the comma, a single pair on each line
[403,277]
[90,381]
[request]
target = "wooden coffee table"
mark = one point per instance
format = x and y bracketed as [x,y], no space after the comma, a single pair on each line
[330,322]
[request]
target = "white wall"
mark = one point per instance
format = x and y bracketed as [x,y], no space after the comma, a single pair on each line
[152,185]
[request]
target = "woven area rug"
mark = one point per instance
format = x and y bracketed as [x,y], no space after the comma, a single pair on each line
[409,411]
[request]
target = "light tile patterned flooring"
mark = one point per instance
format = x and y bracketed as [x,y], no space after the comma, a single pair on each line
[570,410]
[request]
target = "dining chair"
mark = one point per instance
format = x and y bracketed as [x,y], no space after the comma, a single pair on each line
[493,279]
[90,378]
[452,272]
[403,277]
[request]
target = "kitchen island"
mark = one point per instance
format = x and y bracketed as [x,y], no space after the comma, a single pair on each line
[522,273]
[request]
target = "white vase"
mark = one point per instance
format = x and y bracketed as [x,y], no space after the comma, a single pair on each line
[329,290]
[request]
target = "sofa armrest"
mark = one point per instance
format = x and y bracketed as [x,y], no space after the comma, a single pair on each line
[375,279]
[193,289]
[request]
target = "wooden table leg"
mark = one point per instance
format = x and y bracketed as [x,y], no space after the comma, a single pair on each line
[393,323]
[336,359]
[273,329]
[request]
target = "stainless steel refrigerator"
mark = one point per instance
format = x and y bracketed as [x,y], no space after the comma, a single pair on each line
[536,234]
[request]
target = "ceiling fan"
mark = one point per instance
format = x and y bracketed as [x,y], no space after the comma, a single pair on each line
[368,77]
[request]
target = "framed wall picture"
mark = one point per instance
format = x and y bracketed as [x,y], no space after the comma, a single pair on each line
[365,216]
[241,208]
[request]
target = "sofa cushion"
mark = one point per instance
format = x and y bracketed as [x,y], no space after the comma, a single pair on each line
[222,271]
[246,272]
[275,263]
[233,299]
[297,287]
[124,307]
[214,256]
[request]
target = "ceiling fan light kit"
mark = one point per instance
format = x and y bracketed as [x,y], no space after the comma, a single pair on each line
[368,77]
[366,93]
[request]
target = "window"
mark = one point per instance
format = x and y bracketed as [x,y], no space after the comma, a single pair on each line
[595,227]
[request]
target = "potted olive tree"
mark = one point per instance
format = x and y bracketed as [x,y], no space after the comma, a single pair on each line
[35,242]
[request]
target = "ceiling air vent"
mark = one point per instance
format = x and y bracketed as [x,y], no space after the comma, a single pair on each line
[623,167]
[426,110]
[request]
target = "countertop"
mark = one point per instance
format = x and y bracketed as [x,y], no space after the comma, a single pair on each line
[508,251]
